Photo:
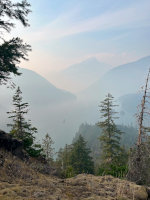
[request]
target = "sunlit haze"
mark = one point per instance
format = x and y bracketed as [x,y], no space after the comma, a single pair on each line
[67,32]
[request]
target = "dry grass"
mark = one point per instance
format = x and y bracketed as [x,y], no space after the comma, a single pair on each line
[20,182]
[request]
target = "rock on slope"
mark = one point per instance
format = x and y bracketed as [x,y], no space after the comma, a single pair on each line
[12,145]
[19,182]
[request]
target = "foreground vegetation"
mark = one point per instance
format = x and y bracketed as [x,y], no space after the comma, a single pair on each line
[22,181]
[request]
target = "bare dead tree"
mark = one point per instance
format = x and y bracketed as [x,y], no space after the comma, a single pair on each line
[139,159]
[141,115]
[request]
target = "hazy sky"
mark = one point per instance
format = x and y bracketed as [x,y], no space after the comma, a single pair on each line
[64,32]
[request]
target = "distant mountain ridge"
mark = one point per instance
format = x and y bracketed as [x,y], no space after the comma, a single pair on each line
[81,75]
[40,90]
[121,80]
[37,90]
[91,65]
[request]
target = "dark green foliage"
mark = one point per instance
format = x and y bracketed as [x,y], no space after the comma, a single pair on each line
[17,115]
[69,172]
[113,157]
[35,150]
[75,159]
[80,158]
[110,137]
[113,170]
[10,54]
[20,128]
[118,168]
[91,133]
[14,11]
[13,50]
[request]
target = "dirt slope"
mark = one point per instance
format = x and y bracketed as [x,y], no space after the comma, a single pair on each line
[19,182]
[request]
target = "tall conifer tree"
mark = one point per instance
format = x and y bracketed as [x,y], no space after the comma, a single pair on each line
[110,138]
[22,129]
[17,115]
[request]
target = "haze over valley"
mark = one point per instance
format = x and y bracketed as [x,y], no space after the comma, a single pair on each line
[60,112]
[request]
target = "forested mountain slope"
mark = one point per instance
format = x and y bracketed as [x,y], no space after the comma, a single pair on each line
[91,133]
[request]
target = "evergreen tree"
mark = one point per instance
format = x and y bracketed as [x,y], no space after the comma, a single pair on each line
[20,128]
[80,158]
[17,115]
[75,159]
[13,50]
[48,150]
[110,136]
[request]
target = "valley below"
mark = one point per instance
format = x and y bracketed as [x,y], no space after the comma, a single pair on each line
[60,112]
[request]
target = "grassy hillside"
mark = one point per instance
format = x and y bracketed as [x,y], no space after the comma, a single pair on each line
[18,181]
